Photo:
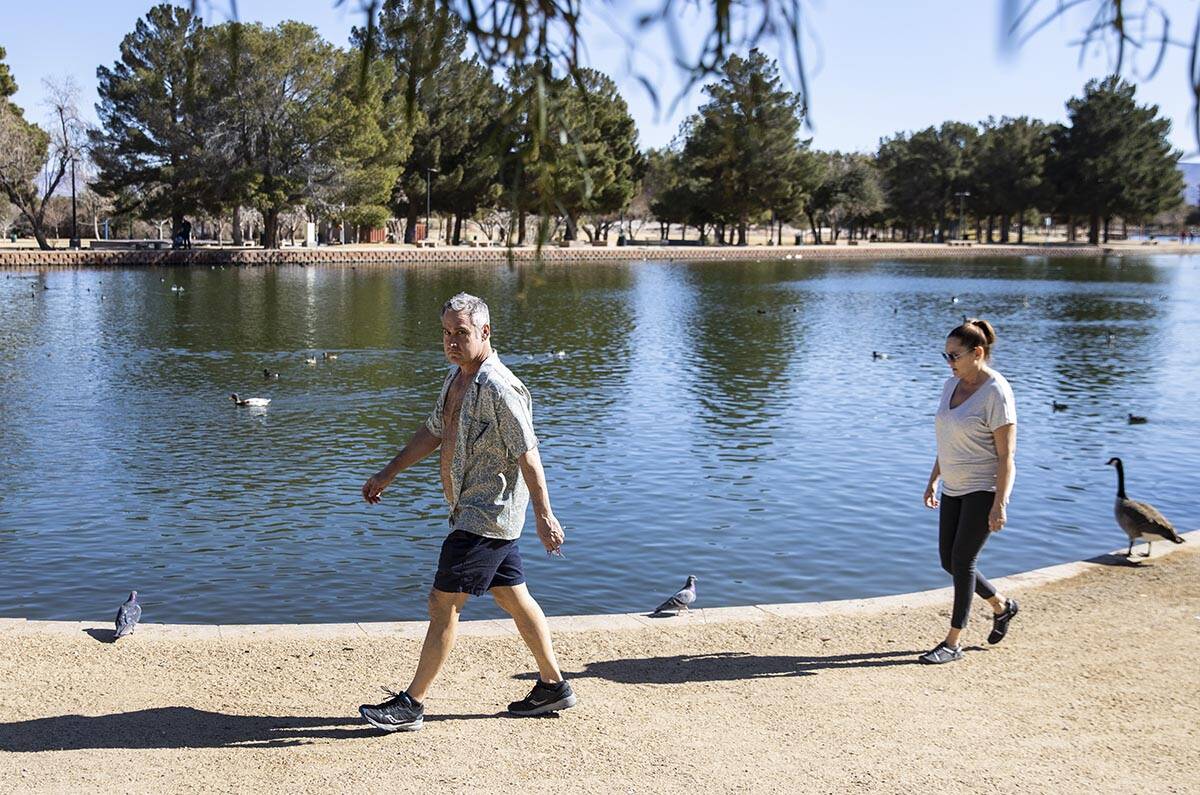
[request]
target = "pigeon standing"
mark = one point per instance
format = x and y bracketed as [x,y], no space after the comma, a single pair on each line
[682,598]
[128,616]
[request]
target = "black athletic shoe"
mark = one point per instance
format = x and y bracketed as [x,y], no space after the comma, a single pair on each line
[398,714]
[1000,622]
[941,653]
[544,698]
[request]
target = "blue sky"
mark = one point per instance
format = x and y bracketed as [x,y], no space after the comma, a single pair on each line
[876,67]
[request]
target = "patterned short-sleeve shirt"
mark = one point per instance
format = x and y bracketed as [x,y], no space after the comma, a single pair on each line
[495,428]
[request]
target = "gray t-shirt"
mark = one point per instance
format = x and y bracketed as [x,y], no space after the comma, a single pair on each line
[966,449]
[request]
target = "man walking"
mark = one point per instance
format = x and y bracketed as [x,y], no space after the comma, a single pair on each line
[490,469]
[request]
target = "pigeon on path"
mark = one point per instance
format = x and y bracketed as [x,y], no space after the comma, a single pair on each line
[128,616]
[682,598]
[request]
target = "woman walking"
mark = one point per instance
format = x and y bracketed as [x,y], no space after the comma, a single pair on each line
[976,440]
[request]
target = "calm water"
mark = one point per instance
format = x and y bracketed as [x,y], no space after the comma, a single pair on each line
[724,420]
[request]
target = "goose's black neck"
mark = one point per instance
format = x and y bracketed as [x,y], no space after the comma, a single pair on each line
[1120,480]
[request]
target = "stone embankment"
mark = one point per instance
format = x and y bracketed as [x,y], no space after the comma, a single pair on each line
[398,255]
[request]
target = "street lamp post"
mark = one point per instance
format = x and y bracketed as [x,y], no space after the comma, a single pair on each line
[962,194]
[429,172]
[74,225]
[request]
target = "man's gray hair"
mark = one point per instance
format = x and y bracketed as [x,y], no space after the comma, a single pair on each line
[472,305]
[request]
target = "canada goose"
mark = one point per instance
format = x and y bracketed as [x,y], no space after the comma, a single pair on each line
[1139,520]
[311,361]
[1135,419]
[1056,406]
[878,355]
[268,375]
[327,356]
[241,401]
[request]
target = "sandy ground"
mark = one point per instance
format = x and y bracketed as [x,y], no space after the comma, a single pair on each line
[1097,689]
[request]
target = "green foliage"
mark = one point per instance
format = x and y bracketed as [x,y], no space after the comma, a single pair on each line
[847,190]
[1008,170]
[371,216]
[923,171]
[150,145]
[8,85]
[453,104]
[1114,157]
[743,144]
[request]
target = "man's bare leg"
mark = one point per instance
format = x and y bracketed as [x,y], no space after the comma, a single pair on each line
[444,609]
[531,623]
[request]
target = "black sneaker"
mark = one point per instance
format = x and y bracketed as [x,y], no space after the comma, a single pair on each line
[398,714]
[544,698]
[1000,622]
[941,653]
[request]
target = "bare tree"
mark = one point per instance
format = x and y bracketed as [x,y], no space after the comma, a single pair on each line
[34,161]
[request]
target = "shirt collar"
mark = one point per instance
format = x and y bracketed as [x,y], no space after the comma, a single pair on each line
[493,360]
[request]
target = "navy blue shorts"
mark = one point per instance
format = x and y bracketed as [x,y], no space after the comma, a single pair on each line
[472,564]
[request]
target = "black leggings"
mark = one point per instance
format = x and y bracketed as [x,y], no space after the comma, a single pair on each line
[962,532]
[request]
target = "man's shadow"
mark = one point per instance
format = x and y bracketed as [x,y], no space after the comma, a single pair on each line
[182,727]
[729,666]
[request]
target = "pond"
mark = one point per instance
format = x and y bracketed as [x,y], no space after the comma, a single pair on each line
[726,420]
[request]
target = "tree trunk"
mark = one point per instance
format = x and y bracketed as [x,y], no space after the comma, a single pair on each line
[991,227]
[741,233]
[238,240]
[572,231]
[812,222]
[1021,227]
[1005,223]
[1106,220]
[1070,228]
[271,227]
[521,228]
[457,229]
[411,219]
[1094,228]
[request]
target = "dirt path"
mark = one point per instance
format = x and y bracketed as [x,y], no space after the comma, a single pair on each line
[1097,689]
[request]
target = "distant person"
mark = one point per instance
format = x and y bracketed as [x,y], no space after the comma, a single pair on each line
[976,425]
[185,232]
[490,468]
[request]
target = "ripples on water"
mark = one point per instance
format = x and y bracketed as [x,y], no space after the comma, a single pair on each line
[724,419]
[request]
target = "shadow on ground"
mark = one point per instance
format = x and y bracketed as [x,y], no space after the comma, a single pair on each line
[730,666]
[183,727]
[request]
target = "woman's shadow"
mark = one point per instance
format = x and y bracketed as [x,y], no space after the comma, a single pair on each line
[730,666]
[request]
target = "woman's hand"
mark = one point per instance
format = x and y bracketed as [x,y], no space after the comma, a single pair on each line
[997,517]
[931,500]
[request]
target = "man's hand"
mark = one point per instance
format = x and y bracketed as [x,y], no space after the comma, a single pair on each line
[550,532]
[931,500]
[997,517]
[373,488]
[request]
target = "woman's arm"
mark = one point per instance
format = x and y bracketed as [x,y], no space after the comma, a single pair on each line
[1006,472]
[931,500]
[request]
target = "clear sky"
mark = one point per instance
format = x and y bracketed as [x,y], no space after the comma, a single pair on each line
[876,66]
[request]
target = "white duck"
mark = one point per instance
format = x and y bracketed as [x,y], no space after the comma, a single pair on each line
[241,401]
